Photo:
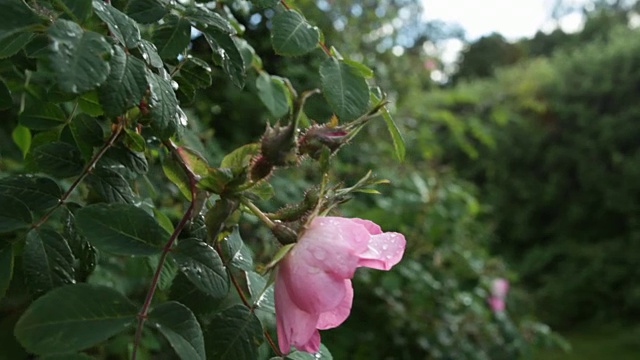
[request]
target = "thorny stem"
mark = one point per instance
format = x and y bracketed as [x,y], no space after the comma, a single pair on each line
[322,45]
[87,169]
[144,310]
[257,212]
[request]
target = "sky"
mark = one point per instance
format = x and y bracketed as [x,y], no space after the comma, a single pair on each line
[512,18]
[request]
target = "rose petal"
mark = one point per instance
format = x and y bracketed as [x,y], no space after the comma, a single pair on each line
[312,345]
[339,314]
[385,250]
[310,288]
[372,228]
[294,326]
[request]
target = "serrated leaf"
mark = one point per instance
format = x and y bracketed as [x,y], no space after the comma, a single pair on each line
[6,268]
[262,295]
[264,4]
[345,89]
[194,161]
[21,136]
[125,158]
[15,16]
[134,141]
[205,18]
[363,69]
[79,315]
[178,324]
[150,54]
[14,214]
[235,333]
[322,354]
[163,106]
[146,11]
[274,94]
[10,45]
[47,261]
[79,58]
[121,229]
[176,175]
[196,72]
[202,266]
[58,159]
[227,55]
[168,272]
[236,253]
[111,186]
[122,27]
[45,116]
[292,35]
[36,192]
[79,356]
[263,190]
[84,254]
[89,103]
[87,133]
[185,292]
[172,37]
[396,136]
[125,85]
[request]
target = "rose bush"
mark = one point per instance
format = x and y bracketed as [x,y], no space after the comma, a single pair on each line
[313,289]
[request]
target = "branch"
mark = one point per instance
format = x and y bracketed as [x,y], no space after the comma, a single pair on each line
[87,169]
[144,310]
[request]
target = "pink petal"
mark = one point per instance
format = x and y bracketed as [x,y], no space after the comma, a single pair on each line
[496,303]
[500,287]
[385,250]
[372,228]
[312,345]
[339,314]
[294,326]
[310,288]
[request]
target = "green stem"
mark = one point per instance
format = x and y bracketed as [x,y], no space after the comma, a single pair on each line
[257,212]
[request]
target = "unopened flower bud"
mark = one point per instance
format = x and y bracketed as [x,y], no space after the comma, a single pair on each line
[319,137]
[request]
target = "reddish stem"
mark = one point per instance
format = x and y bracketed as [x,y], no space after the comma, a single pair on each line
[87,169]
[144,310]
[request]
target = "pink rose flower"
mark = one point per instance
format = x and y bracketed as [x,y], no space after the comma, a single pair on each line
[499,289]
[313,288]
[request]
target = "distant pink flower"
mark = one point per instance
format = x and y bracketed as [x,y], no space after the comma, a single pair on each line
[499,289]
[313,285]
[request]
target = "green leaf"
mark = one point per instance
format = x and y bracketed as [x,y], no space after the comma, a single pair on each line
[47,261]
[172,37]
[6,268]
[6,102]
[79,356]
[236,253]
[111,186]
[21,136]
[263,190]
[130,160]
[150,54]
[176,175]
[274,94]
[15,16]
[362,69]
[163,106]
[185,292]
[10,46]
[84,254]
[178,324]
[45,116]
[125,85]
[121,229]
[58,159]
[396,136]
[205,18]
[202,266]
[146,11]
[87,133]
[89,103]
[78,58]
[235,333]
[196,72]
[14,214]
[240,157]
[264,4]
[78,10]
[194,161]
[72,318]
[227,55]
[322,354]
[168,272]
[292,35]
[134,141]
[262,295]
[122,27]
[38,193]
[345,89]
